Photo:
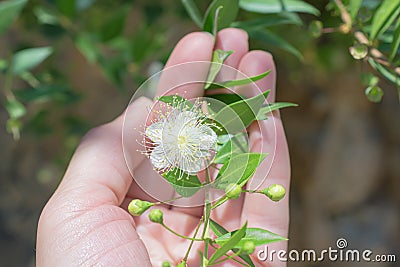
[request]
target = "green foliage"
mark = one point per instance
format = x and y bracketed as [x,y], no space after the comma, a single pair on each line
[184,184]
[234,171]
[231,242]
[387,12]
[219,57]
[28,59]
[244,81]
[220,14]
[267,108]
[234,146]
[256,235]
[9,11]
[276,6]
[218,230]
[237,116]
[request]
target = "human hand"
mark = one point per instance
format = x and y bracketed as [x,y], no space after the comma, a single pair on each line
[86,223]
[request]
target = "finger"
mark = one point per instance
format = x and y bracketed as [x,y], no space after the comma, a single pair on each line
[184,74]
[268,137]
[254,63]
[194,47]
[236,40]
[258,210]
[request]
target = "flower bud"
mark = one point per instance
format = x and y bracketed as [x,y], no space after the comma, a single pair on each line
[248,247]
[359,51]
[233,191]
[137,207]
[315,28]
[374,94]
[166,264]
[275,192]
[156,216]
[182,264]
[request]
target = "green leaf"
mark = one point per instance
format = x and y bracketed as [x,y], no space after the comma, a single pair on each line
[383,17]
[239,169]
[354,7]
[274,40]
[9,11]
[256,235]
[394,49]
[368,79]
[219,57]
[176,101]
[28,59]
[84,4]
[45,16]
[268,21]
[228,84]
[227,98]
[229,244]
[15,109]
[184,184]
[239,115]
[46,93]
[14,126]
[235,145]
[218,230]
[277,6]
[193,11]
[87,47]
[114,26]
[385,72]
[67,7]
[225,15]
[263,112]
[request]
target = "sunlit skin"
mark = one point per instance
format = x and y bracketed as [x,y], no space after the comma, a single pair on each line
[86,223]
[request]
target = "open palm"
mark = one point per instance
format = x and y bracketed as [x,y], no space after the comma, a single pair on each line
[85,223]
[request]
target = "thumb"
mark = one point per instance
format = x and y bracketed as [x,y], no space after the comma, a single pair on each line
[82,223]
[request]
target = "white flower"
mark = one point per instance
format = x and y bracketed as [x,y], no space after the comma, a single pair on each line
[181,140]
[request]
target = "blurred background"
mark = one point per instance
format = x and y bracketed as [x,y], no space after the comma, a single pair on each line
[67,66]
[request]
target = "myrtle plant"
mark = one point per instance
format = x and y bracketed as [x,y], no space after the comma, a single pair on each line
[200,147]
[375,30]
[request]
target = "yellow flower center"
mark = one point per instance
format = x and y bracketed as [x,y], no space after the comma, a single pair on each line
[181,140]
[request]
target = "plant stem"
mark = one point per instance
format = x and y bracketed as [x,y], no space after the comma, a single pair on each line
[250,191]
[207,213]
[194,236]
[182,236]
[231,257]
[236,260]
[7,88]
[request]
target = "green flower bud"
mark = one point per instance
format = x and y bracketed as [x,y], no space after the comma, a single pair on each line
[374,94]
[137,207]
[315,28]
[156,216]
[359,51]
[233,191]
[275,192]
[166,264]
[248,247]
[182,264]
